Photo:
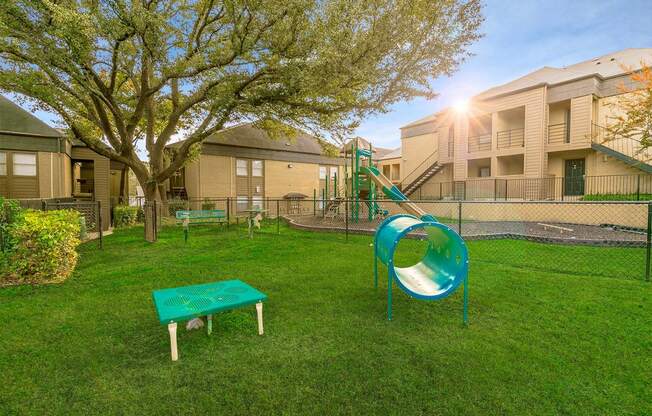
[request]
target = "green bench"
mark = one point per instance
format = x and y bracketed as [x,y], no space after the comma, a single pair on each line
[189,302]
[199,216]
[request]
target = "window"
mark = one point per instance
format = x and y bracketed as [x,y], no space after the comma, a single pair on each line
[386,170]
[485,172]
[3,163]
[242,202]
[24,164]
[256,168]
[333,172]
[256,202]
[241,167]
[322,172]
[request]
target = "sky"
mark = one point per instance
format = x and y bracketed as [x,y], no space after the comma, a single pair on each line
[520,37]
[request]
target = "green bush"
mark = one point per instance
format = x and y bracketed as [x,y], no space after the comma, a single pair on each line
[10,213]
[617,197]
[208,205]
[124,215]
[45,246]
[175,205]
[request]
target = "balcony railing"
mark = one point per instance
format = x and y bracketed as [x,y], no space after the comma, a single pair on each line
[558,133]
[480,143]
[510,138]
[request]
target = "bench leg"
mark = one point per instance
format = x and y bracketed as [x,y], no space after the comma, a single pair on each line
[172,329]
[209,325]
[259,312]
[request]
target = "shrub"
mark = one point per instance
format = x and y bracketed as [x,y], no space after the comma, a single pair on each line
[617,197]
[124,215]
[10,213]
[175,205]
[45,246]
[208,205]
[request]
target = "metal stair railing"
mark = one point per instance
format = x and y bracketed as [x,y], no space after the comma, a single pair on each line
[424,171]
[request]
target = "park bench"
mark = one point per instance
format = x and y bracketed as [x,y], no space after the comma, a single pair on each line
[200,216]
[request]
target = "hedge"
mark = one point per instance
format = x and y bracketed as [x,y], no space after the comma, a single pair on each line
[45,245]
[124,215]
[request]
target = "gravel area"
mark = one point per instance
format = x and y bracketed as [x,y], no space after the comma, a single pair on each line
[560,233]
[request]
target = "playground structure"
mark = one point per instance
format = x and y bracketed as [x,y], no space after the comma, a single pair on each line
[444,265]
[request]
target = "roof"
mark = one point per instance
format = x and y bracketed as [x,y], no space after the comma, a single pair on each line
[605,66]
[247,135]
[16,120]
[394,154]
[379,152]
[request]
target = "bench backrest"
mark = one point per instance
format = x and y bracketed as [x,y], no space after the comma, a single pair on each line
[200,213]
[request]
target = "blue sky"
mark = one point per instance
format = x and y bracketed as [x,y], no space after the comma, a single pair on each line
[521,36]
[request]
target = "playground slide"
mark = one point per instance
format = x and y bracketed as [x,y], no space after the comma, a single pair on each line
[392,192]
[444,266]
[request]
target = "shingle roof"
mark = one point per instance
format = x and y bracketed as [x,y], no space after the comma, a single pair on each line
[16,120]
[603,66]
[396,153]
[247,135]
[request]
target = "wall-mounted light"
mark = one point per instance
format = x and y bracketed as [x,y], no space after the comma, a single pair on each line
[290,165]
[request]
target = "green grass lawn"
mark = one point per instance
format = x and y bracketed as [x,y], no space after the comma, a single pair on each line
[539,342]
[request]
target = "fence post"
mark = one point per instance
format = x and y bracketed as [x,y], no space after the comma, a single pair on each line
[228,212]
[314,202]
[638,187]
[441,196]
[495,189]
[459,218]
[648,244]
[346,219]
[99,221]
[278,217]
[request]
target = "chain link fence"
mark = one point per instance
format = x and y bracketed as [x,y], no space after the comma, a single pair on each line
[601,238]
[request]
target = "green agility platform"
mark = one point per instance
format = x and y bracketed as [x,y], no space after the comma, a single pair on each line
[189,302]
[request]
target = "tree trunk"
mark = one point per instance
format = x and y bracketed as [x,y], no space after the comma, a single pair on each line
[124,191]
[152,209]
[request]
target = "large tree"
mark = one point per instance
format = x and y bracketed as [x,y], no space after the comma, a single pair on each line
[119,72]
[633,110]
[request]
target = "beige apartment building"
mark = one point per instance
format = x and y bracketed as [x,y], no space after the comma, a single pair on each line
[244,163]
[539,136]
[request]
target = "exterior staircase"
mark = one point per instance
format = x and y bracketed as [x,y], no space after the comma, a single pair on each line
[626,149]
[431,171]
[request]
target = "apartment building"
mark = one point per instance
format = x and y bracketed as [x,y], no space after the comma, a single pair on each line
[546,125]
[243,162]
[39,162]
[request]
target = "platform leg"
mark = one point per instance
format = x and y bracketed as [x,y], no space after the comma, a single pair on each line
[259,312]
[172,329]
[209,324]
[465,314]
[389,295]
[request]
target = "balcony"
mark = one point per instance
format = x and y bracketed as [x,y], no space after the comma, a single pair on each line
[480,143]
[558,133]
[507,139]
